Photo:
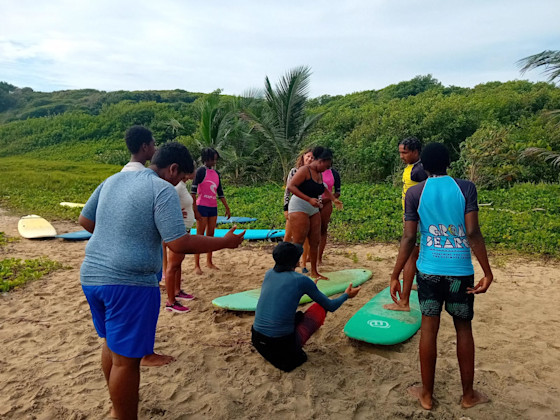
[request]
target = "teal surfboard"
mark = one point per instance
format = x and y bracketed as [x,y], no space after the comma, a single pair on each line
[235,219]
[376,325]
[337,283]
[80,235]
[250,234]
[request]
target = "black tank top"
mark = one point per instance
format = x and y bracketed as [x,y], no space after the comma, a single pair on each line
[311,188]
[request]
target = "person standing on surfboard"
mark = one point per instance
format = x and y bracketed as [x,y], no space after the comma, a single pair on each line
[446,210]
[279,332]
[409,151]
[130,214]
[207,185]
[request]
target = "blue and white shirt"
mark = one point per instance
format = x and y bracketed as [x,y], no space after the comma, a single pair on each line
[440,204]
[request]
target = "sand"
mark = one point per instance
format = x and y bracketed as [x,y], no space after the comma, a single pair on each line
[50,353]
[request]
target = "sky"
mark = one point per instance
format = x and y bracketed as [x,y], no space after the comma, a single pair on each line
[204,45]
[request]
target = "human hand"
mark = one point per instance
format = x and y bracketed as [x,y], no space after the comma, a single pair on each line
[482,285]
[352,291]
[315,202]
[338,204]
[395,288]
[234,240]
[228,213]
[197,215]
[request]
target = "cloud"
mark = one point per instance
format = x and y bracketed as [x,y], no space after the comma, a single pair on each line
[201,46]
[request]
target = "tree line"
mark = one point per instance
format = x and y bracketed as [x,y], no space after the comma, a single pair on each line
[488,128]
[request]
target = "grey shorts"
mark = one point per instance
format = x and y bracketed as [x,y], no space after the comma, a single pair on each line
[297,204]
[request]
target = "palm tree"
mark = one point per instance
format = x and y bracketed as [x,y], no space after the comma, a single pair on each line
[550,60]
[282,121]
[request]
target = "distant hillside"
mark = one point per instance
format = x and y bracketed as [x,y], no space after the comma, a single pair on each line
[486,128]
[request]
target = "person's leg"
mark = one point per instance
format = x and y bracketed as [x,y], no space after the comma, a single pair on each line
[305,256]
[300,226]
[124,383]
[200,229]
[314,236]
[311,321]
[106,365]
[173,282]
[428,357]
[465,356]
[409,272]
[288,229]
[326,212]
[211,227]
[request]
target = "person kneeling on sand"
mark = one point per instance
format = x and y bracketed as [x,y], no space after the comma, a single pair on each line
[279,332]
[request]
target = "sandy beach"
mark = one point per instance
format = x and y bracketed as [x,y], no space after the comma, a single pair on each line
[50,353]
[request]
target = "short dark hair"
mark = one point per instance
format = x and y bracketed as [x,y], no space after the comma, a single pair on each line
[412,143]
[435,158]
[136,136]
[208,153]
[322,153]
[174,152]
[286,256]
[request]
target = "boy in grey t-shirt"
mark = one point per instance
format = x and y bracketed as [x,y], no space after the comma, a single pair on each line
[129,215]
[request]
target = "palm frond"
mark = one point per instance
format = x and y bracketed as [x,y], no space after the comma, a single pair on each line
[549,156]
[548,59]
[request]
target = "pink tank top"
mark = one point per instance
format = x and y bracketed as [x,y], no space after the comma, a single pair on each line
[328,179]
[207,189]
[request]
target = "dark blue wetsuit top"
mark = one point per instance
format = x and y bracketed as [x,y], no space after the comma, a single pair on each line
[280,295]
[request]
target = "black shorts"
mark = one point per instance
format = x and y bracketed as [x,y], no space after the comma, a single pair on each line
[206,211]
[434,290]
[284,353]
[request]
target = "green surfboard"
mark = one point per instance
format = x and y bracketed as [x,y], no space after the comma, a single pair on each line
[376,325]
[337,283]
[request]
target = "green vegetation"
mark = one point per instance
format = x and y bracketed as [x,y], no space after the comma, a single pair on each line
[5,239]
[487,128]
[15,272]
[59,146]
[525,217]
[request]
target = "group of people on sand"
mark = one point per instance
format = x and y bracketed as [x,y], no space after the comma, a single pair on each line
[133,212]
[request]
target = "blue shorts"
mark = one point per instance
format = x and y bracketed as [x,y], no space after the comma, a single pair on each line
[206,211]
[126,316]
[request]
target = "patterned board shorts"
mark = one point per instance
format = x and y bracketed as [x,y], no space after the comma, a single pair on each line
[434,290]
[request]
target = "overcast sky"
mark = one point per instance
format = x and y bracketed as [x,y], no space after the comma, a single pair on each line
[204,45]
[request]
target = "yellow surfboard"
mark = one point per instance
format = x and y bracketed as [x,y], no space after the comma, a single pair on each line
[68,204]
[35,227]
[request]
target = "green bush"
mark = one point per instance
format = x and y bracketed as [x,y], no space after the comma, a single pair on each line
[15,272]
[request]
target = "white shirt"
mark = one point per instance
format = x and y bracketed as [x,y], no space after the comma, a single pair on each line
[186,204]
[133,166]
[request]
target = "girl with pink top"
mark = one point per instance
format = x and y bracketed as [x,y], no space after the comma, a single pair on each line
[206,189]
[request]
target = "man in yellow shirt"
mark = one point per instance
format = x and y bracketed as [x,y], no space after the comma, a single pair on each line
[409,151]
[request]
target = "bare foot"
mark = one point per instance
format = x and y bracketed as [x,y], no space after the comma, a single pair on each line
[155,359]
[113,413]
[317,277]
[417,392]
[397,307]
[197,270]
[212,266]
[475,399]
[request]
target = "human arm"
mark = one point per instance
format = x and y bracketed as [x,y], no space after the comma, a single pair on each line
[408,241]
[330,196]
[86,223]
[299,177]
[328,304]
[336,177]
[224,202]
[198,244]
[478,247]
